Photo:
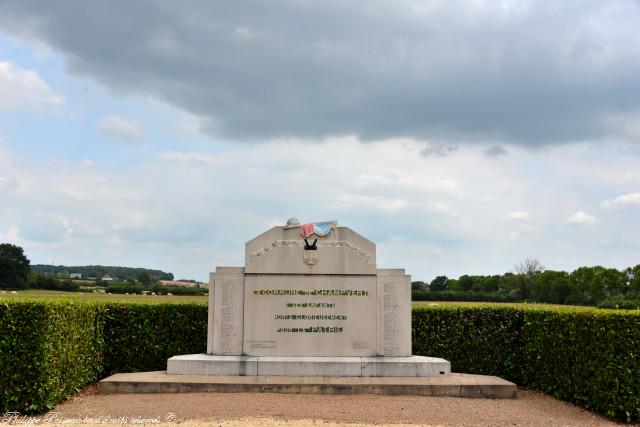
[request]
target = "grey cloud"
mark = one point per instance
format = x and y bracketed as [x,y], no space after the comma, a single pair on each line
[494,151]
[516,72]
[438,150]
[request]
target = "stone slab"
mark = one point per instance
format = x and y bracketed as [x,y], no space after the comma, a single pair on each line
[393,312]
[314,315]
[210,307]
[453,385]
[204,364]
[310,366]
[228,314]
[413,366]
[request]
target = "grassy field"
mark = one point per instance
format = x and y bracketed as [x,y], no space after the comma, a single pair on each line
[202,299]
[81,296]
[498,304]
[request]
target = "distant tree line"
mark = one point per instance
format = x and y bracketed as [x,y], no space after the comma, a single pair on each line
[139,288]
[100,271]
[16,272]
[41,281]
[597,286]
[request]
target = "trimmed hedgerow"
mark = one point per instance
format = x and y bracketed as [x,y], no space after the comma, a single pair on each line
[463,296]
[142,337]
[589,357]
[620,303]
[47,351]
[50,349]
[476,340]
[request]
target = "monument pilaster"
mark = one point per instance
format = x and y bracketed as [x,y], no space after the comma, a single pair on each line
[228,314]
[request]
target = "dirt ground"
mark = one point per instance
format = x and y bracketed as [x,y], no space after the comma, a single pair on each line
[267,409]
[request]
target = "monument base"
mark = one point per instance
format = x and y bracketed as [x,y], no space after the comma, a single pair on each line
[453,385]
[205,364]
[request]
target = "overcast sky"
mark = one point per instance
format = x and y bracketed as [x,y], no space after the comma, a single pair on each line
[461,137]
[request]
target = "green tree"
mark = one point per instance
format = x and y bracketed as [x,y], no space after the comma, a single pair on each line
[486,283]
[512,284]
[439,284]
[633,275]
[41,281]
[612,281]
[552,287]
[528,270]
[453,285]
[466,282]
[587,285]
[14,267]
[419,286]
[144,278]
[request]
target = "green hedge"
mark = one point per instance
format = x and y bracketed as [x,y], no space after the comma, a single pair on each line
[592,357]
[620,302]
[476,340]
[49,349]
[141,337]
[589,357]
[466,296]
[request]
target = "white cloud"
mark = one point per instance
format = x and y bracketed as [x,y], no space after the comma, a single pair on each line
[25,90]
[581,218]
[96,190]
[46,228]
[183,211]
[349,201]
[522,232]
[625,199]
[518,215]
[12,235]
[187,157]
[120,128]
[190,127]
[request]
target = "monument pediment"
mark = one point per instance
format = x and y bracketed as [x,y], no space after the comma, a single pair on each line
[281,250]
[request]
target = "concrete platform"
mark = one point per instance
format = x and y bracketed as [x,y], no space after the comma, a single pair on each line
[205,364]
[453,385]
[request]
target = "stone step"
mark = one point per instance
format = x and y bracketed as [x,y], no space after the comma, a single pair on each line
[410,366]
[453,385]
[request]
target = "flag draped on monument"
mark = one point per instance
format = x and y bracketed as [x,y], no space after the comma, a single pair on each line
[321,229]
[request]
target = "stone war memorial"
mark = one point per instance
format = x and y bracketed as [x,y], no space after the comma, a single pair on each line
[310,311]
[311,303]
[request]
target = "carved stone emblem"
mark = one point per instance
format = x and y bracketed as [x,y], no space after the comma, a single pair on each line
[310,257]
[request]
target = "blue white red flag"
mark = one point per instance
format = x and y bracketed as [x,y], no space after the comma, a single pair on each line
[320,229]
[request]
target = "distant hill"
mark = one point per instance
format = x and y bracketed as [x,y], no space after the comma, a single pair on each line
[99,271]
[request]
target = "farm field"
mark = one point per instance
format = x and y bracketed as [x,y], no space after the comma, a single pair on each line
[202,299]
[498,304]
[82,296]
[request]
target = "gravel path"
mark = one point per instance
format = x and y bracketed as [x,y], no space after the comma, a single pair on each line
[266,409]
